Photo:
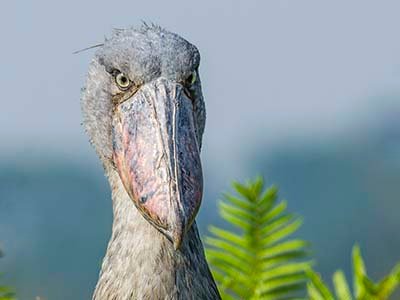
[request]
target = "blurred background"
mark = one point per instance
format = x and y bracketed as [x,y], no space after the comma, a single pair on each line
[305,93]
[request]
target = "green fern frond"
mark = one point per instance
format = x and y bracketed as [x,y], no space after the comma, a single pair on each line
[342,289]
[257,260]
[364,288]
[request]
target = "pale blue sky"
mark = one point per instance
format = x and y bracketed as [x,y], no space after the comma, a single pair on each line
[271,70]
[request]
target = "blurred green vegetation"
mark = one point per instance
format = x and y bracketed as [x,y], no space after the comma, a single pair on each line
[6,293]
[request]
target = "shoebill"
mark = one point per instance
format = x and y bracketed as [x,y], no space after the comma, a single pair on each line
[144,112]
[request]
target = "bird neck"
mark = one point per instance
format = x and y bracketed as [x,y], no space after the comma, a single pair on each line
[141,263]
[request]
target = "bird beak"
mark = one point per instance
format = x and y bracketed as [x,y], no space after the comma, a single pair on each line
[156,153]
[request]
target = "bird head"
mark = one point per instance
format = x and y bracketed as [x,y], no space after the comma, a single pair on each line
[144,112]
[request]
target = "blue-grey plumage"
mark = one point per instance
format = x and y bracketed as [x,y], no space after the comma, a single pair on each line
[144,112]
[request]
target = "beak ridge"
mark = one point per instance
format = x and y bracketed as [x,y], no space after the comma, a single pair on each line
[156,153]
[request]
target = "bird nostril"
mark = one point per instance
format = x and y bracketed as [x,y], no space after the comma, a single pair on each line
[143,199]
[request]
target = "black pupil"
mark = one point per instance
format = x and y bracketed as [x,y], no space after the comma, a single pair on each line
[123,79]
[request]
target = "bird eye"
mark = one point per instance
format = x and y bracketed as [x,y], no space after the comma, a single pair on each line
[191,78]
[122,80]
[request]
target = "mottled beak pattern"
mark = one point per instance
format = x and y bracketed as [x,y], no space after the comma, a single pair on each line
[156,153]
